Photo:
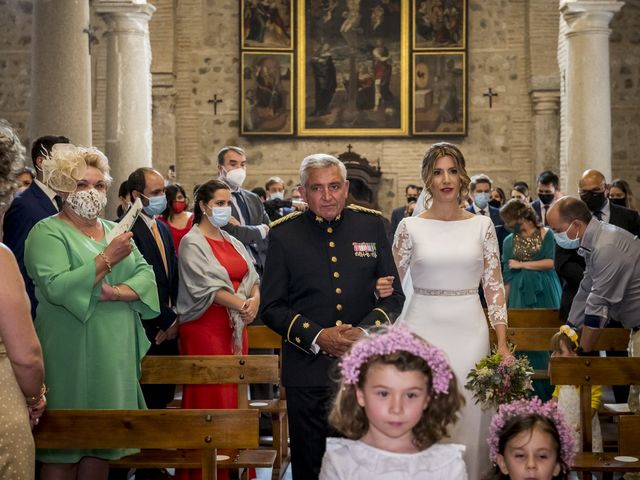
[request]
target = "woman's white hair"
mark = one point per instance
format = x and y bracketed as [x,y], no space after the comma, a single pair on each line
[320,160]
[95,158]
[11,160]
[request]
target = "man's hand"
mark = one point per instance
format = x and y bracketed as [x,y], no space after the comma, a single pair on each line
[384,286]
[353,334]
[334,341]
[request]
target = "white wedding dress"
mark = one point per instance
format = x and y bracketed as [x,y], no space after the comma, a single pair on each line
[447,260]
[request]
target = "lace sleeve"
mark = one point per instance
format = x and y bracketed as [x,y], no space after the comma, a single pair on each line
[492,279]
[402,249]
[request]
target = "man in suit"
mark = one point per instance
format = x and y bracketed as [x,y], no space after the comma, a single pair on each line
[318,292]
[411,193]
[250,223]
[548,189]
[480,192]
[38,201]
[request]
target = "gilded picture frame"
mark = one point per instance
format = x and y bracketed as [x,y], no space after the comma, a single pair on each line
[367,40]
[439,96]
[267,24]
[439,24]
[266,93]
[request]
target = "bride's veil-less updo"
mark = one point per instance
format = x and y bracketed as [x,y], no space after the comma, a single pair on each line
[436,151]
[11,161]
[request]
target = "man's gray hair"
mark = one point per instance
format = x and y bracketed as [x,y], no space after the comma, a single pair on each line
[480,178]
[320,160]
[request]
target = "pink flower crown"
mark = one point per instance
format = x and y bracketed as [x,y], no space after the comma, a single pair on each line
[534,406]
[394,340]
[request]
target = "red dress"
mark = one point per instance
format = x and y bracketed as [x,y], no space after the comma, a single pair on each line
[178,233]
[211,334]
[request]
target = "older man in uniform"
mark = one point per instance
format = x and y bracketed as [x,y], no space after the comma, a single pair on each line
[323,269]
[611,283]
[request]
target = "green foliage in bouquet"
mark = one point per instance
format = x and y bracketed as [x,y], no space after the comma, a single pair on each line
[495,381]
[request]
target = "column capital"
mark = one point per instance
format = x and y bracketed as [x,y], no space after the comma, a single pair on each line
[125,15]
[589,16]
[545,102]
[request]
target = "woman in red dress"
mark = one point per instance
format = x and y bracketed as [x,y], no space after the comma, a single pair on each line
[176,216]
[218,296]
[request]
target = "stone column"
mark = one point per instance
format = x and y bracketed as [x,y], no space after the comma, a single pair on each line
[588,92]
[546,107]
[128,136]
[61,71]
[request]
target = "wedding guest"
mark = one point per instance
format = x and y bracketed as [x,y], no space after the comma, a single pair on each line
[177,215]
[620,194]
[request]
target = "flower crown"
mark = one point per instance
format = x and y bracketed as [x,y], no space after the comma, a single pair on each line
[394,340]
[63,167]
[571,333]
[534,406]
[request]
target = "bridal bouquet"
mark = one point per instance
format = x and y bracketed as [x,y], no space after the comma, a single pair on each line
[495,381]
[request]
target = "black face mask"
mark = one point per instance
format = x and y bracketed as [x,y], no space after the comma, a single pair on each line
[495,203]
[594,200]
[412,199]
[619,201]
[546,198]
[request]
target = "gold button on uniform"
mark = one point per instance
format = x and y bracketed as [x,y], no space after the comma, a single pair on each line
[338,322]
[339,307]
[336,274]
[334,259]
[378,323]
[329,230]
[338,290]
[332,244]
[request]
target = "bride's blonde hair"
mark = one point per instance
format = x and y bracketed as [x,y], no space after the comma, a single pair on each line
[439,150]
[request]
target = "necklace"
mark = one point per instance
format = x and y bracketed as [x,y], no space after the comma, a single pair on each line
[524,249]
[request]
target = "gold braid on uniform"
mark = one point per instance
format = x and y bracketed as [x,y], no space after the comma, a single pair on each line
[358,208]
[292,215]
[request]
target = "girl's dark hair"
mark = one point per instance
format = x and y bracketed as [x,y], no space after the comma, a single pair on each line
[526,423]
[503,197]
[204,194]
[349,418]
[171,191]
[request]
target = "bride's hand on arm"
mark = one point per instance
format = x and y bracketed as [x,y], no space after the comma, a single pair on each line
[384,286]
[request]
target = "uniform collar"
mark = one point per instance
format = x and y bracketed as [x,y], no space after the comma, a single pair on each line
[321,222]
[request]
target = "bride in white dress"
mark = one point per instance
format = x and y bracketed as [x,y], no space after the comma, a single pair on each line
[448,252]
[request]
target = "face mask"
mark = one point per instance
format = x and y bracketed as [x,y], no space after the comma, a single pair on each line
[412,199]
[594,200]
[619,201]
[546,198]
[87,203]
[495,203]
[156,206]
[179,206]
[563,240]
[236,177]
[220,216]
[276,196]
[481,199]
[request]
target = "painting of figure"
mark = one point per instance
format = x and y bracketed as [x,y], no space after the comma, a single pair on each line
[439,93]
[353,67]
[266,93]
[267,24]
[439,24]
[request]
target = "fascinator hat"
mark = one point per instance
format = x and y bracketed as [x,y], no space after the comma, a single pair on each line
[63,167]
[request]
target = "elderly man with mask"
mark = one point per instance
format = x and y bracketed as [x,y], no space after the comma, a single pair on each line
[611,283]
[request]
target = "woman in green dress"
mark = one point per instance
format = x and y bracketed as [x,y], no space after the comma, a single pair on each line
[529,277]
[92,296]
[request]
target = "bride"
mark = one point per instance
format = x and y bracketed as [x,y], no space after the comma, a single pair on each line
[447,252]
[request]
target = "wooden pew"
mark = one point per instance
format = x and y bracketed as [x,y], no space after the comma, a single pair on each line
[534,317]
[586,372]
[201,432]
[261,336]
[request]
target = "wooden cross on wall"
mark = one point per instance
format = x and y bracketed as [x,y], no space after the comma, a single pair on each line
[215,100]
[490,94]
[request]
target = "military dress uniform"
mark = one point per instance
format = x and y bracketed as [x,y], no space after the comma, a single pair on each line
[320,274]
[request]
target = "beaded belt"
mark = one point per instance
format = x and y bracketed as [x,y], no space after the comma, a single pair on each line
[445,293]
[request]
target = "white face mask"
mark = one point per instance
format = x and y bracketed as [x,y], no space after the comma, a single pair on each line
[276,195]
[235,177]
[87,203]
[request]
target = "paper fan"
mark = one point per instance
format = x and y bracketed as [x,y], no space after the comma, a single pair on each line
[63,167]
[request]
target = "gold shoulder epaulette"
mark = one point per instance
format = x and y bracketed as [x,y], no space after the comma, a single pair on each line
[286,218]
[358,208]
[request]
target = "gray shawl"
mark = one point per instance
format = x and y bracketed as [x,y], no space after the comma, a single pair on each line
[201,275]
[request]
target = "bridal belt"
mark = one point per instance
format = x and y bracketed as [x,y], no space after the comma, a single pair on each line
[445,293]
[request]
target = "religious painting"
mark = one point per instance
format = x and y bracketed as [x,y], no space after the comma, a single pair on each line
[267,79]
[267,24]
[439,24]
[439,93]
[353,69]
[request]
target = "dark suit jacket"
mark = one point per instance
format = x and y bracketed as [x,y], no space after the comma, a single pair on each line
[249,234]
[537,207]
[27,209]
[570,266]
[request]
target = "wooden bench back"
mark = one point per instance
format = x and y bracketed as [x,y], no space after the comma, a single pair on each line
[261,336]
[538,338]
[534,317]
[629,435]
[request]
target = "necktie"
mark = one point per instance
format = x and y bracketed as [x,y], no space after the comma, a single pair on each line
[598,214]
[158,239]
[482,211]
[244,210]
[59,202]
